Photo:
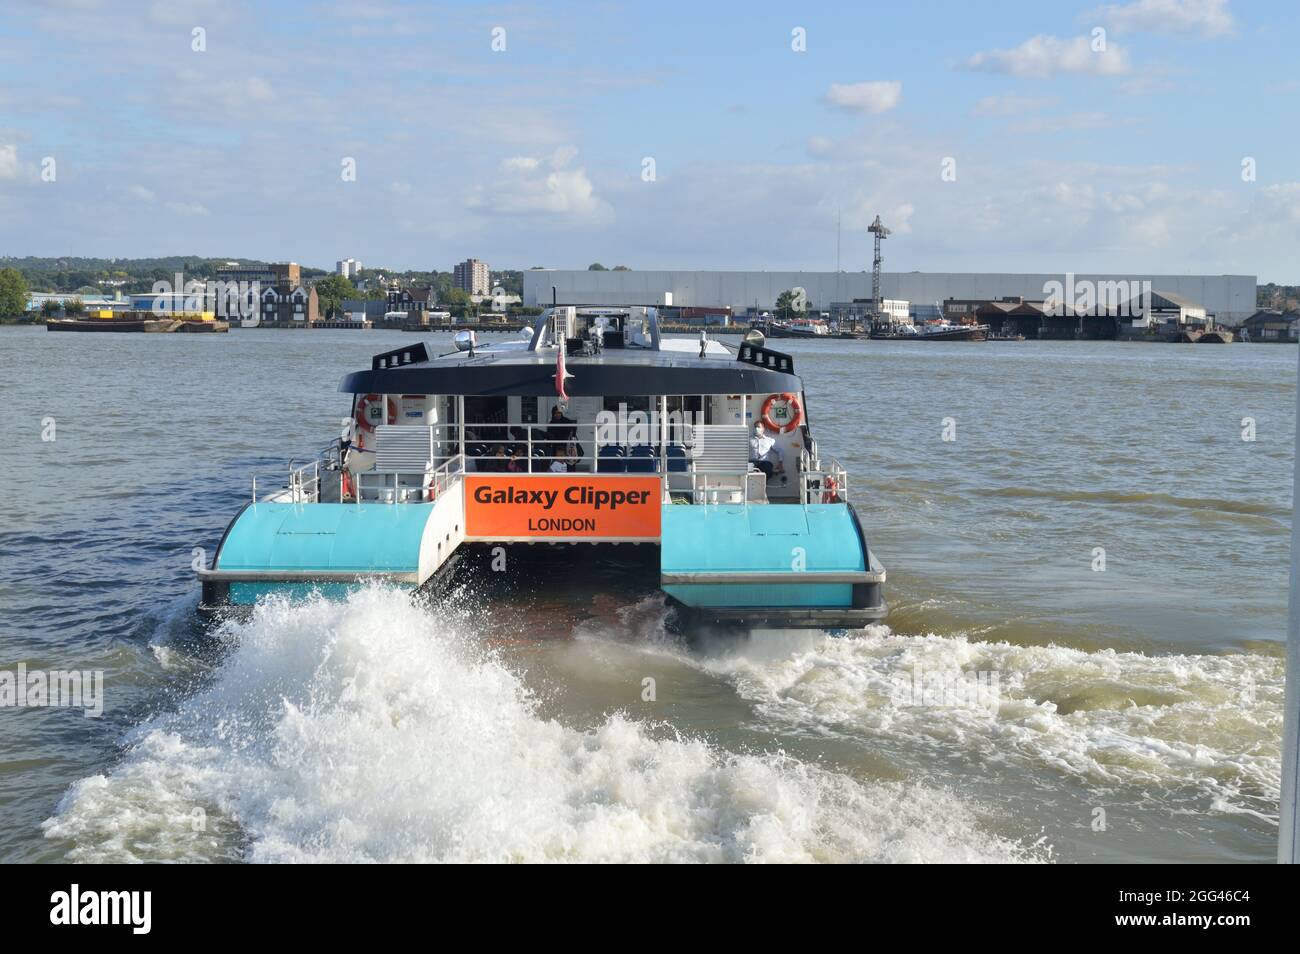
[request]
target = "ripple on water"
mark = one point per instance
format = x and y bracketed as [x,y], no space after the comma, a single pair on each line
[1198,731]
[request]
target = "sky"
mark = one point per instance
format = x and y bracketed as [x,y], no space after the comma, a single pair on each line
[1150,136]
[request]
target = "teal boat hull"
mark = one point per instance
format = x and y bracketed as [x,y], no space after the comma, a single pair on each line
[782,565]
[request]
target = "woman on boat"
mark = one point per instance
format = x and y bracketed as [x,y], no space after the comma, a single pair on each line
[569,456]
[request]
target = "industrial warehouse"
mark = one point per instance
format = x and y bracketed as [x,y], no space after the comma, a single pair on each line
[1200,301]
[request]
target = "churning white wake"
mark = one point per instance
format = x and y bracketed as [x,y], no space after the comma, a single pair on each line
[1202,731]
[373,730]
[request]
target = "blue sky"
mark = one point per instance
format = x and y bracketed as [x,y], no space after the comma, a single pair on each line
[1072,150]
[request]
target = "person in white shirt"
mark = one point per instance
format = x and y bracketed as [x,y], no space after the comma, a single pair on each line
[764,453]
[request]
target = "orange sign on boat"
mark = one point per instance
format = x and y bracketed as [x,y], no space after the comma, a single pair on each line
[505,506]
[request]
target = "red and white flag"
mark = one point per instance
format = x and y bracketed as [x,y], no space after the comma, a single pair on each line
[561,374]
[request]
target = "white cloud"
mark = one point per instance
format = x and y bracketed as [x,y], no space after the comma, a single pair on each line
[872,97]
[1274,216]
[1072,122]
[1044,56]
[531,185]
[8,162]
[520,164]
[187,208]
[1209,18]
[258,90]
[820,145]
[1011,105]
[141,193]
[1148,84]
[235,94]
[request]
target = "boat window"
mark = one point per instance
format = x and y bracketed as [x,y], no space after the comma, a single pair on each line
[486,410]
[528,409]
[632,403]
[683,410]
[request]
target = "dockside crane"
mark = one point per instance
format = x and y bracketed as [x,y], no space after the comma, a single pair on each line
[877,228]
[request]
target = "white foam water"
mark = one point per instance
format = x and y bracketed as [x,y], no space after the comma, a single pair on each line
[374,730]
[1201,731]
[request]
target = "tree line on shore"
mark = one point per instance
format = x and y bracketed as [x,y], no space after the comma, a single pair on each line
[19,277]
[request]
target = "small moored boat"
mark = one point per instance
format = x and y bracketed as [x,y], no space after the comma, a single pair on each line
[798,328]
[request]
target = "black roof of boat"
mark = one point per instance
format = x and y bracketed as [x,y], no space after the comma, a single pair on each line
[614,371]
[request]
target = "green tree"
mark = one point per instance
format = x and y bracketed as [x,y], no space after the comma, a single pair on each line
[787,304]
[621,268]
[73,307]
[50,308]
[596,267]
[330,293]
[13,293]
[457,301]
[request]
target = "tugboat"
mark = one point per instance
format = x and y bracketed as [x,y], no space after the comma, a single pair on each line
[592,429]
[798,328]
[944,330]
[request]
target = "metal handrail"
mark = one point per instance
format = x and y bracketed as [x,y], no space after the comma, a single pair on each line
[440,479]
[498,436]
[264,474]
[301,488]
[822,481]
[817,479]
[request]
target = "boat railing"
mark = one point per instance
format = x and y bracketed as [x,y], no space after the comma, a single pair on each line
[823,482]
[717,486]
[566,448]
[531,449]
[301,486]
[304,482]
[395,486]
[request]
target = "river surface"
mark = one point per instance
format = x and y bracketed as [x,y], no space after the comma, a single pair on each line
[1137,703]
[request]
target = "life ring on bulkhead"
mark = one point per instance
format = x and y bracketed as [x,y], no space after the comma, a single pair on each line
[795,412]
[362,417]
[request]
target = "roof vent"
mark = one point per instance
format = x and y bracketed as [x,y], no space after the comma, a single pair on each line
[394,359]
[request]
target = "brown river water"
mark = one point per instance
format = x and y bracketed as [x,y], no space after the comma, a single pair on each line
[1130,713]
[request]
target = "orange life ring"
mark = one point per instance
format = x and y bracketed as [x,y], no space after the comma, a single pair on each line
[796,417]
[360,417]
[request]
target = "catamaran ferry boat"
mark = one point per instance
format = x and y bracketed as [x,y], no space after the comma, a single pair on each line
[592,429]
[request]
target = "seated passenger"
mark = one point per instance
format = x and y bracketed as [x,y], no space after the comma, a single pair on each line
[570,455]
[496,463]
[764,454]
